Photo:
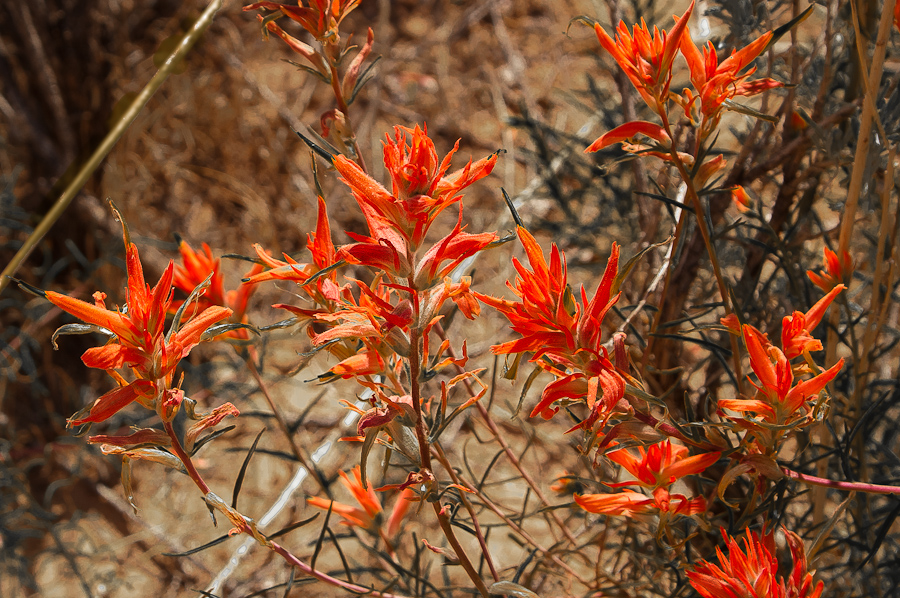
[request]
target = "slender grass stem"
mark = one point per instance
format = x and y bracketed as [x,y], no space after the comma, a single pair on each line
[122,125]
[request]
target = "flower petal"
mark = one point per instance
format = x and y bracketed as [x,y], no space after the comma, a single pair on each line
[627,131]
[112,402]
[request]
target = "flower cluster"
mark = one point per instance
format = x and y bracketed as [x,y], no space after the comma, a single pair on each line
[194,269]
[753,570]
[138,340]
[781,401]
[648,62]
[563,333]
[659,466]
[377,330]
[838,270]
[322,20]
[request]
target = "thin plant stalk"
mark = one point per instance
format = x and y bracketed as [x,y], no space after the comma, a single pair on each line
[513,459]
[838,485]
[700,213]
[93,162]
[866,121]
[282,423]
[528,538]
[439,453]
[243,525]
[425,450]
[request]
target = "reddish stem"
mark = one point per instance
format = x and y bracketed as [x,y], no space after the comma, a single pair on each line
[415,334]
[185,458]
[345,110]
[849,486]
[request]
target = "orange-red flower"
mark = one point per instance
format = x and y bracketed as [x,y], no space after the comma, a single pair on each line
[741,198]
[629,503]
[321,18]
[195,268]
[373,320]
[717,82]
[662,464]
[324,256]
[646,59]
[369,515]
[837,270]
[752,572]
[563,334]
[779,399]
[796,337]
[420,190]
[897,15]
[141,341]
[629,130]
[658,467]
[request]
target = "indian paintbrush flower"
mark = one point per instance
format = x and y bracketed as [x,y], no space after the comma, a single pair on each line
[139,339]
[752,571]
[563,334]
[646,59]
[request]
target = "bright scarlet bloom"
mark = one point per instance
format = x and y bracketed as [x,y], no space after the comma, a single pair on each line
[141,341]
[661,464]
[629,130]
[779,399]
[741,198]
[897,15]
[369,515]
[658,467]
[629,503]
[752,572]
[195,268]
[324,255]
[796,337]
[837,270]
[554,325]
[646,59]
[321,18]
[420,190]
[717,82]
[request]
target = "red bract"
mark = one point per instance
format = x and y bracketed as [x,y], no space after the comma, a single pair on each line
[646,59]
[421,189]
[779,400]
[373,320]
[796,337]
[196,268]
[629,503]
[141,340]
[717,82]
[752,572]
[662,464]
[554,325]
[837,270]
[629,130]
[369,514]
[323,253]
[321,18]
